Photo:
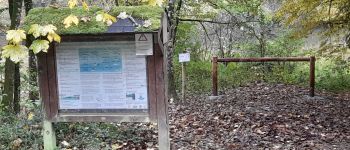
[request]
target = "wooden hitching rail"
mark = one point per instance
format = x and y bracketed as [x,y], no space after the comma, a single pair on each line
[311,59]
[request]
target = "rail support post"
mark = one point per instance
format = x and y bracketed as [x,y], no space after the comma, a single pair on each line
[215,76]
[312,76]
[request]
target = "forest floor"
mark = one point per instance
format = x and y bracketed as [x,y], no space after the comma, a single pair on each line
[257,116]
[262,116]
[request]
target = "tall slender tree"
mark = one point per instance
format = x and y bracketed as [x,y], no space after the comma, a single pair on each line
[10,86]
[33,94]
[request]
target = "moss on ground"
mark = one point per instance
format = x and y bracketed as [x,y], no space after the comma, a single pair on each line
[54,16]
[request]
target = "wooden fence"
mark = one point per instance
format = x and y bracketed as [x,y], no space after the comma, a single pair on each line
[216,60]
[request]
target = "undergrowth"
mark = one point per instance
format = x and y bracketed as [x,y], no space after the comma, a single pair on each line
[331,75]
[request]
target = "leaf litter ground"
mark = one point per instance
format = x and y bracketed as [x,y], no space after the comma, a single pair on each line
[260,116]
[257,116]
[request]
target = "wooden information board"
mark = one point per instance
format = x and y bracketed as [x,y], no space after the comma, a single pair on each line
[108,77]
[102,78]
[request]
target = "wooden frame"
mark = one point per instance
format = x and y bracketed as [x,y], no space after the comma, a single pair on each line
[157,87]
[215,61]
[49,86]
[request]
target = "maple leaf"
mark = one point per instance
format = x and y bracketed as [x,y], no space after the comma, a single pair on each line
[15,52]
[68,21]
[109,23]
[109,17]
[99,17]
[85,5]
[147,23]
[154,2]
[54,37]
[106,18]
[31,116]
[15,36]
[72,3]
[48,29]
[39,45]
[35,30]
[122,15]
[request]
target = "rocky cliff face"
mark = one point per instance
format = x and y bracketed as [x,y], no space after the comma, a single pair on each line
[4,16]
[4,20]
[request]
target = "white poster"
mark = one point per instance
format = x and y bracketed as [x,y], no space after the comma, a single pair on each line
[101,75]
[144,44]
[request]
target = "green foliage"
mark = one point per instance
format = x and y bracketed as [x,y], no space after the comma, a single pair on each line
[44,16]
[47,15]
[330,17]
[97,135]
[199,76]
[239,6]
[333,75]
[13,128]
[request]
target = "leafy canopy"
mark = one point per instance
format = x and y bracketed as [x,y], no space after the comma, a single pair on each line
[330,18]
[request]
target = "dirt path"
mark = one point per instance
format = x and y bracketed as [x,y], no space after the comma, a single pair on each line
[262,116]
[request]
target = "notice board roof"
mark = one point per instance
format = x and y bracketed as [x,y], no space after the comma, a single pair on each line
[55,16]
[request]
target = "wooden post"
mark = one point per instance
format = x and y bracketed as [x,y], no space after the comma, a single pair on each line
[162,84]
[49,136]
[312,76]
[183,78]
[215,76]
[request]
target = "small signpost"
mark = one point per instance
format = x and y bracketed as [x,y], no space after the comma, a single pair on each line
[183,58]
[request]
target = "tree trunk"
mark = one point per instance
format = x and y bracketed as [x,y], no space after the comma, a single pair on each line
[174,21]
[28,5]
[6,103]
[51,3]
[17,90]
[15,7]
[116,2]
[32,70]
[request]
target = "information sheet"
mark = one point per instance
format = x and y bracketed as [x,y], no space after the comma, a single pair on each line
[101,75]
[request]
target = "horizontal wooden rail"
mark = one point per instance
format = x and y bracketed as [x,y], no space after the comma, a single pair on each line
[263,59]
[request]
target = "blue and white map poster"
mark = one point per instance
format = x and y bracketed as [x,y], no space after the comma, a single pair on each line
[101,75]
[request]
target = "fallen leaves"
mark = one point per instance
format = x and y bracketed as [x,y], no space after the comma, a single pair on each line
[261,116]
[106,18]
[72,3]
[122,15]
[71,19]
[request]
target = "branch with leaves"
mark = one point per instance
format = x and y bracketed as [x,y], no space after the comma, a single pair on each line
[45,34]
